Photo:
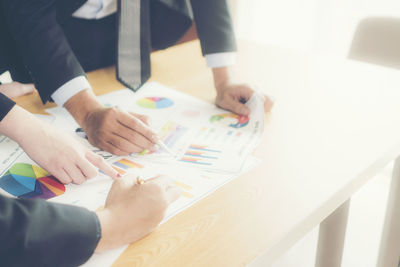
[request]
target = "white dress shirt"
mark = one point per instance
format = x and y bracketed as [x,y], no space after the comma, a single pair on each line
[97,9]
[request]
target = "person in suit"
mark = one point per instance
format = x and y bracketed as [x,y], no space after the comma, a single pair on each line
[9,60]
[40,233]
[59,40]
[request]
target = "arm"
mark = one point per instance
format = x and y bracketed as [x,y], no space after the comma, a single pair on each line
[47,234]
[217,37]
[54,67]
[42,43]
[65,158]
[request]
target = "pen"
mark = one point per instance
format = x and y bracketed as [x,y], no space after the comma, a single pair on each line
[164,146]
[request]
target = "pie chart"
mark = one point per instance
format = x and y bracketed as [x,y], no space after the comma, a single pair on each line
[230,119]
[155,102]
[28,181]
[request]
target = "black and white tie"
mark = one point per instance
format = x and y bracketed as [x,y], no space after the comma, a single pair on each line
[133,58]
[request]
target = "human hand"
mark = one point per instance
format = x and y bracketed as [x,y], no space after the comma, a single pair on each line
[55,151]
[15,89]
[134,210]
[232,95]
[111,129]
[119,132]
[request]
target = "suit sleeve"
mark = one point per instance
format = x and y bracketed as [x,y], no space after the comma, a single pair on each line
[42,43]
[40,233]
[6,105]
[214,26]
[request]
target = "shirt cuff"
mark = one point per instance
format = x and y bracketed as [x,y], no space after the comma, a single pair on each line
[69,89]
[219,60]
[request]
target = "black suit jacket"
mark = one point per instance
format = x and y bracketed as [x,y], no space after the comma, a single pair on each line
[35,27]
[40,233]
[6,105]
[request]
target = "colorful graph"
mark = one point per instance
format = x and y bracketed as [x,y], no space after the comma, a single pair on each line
[201,155]
[29,181]
[184,188]
[230,119]
[122,166]
[155,102]
[170,134]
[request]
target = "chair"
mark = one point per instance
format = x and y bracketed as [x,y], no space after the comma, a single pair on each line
[377,40]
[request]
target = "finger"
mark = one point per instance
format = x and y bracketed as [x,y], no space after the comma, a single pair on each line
[27,88]
[100,163]
[16,89]
[125,145]
[172,194]
[268,103]
[87,168]
[75,173]
[62,176]
[134,123]
[244,92]
[235,106]
[141,117]
[135,138]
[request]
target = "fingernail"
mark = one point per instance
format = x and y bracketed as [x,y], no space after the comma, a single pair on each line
[155,138]
[155,148]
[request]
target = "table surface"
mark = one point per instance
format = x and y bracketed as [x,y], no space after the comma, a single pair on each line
[334,125]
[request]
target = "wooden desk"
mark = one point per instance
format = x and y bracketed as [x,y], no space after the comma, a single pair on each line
[334,125]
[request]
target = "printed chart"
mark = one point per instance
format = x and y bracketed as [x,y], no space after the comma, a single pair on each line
[122,166]
[28,181]
[173,136]
[202,155]
[155,102]
[230,119]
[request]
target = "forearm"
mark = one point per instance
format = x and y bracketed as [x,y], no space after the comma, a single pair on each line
[18,124]
[81,104]
[214,26]
[41,43]
[221,76]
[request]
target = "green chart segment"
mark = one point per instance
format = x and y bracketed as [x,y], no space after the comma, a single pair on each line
[155,102]
[28,181]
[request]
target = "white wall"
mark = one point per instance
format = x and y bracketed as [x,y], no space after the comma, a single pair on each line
[322,25]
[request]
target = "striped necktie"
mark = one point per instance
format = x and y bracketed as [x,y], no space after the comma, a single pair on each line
[133,58]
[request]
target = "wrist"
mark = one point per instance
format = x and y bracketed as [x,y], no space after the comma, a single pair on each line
[222,76]
[106,241]
[16,124]
[81,105]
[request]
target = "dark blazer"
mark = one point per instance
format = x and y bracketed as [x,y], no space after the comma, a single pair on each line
[6,105]
[40,233]
[36,26]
